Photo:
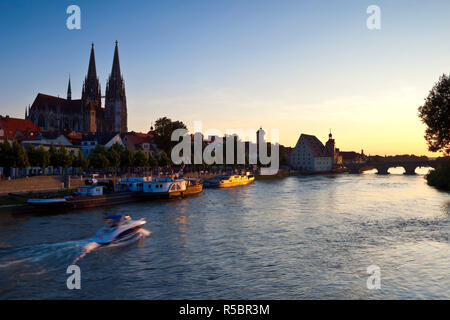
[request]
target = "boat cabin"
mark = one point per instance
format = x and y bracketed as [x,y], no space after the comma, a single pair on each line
[90,190]
[165,185]
[134,184]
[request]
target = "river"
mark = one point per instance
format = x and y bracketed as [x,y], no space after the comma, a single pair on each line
[302,237]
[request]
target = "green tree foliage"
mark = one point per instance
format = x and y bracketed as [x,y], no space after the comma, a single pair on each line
[163,159]
[435,113]
[163,132]
[80,161]
[113,155]
[32,156]
[152,161]
[126,158]
[98,158]
[140,159]
[65,159]
[53,156]
[38,157]
[440,177]
[6,155]
[20,157]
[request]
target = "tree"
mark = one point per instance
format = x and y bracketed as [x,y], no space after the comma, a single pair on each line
[6,156]
[163,133]
[140,159]
[38,157]
[440,177]
[80,161]
[117,147]
[19,155]
[53,156]
[126,158]
[163,159]
[98,158]
[113,158]
[152,161]
[32,155]
[42,157]
[435,113]
[65,159]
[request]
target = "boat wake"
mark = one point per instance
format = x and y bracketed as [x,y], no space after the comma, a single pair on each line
[38,259]
[91,246]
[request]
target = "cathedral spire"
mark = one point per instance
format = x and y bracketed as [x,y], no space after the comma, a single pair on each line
[115,71]
[92,71]
[69,91]
[91,86]
[115,99]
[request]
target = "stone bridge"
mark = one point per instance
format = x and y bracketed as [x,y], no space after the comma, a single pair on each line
[383,166]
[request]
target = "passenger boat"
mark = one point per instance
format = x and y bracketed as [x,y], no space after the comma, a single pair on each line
[236,180]
[105,193]
[164,187]
[86,197]
[194,186]
[213,182]
[134,184]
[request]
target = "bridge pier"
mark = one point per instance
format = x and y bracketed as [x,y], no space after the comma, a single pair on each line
[382,170]
[353,168]
[410,169]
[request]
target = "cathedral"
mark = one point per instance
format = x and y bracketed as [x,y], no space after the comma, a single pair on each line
[85,115]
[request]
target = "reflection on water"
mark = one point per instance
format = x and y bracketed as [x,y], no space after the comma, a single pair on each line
[295,238]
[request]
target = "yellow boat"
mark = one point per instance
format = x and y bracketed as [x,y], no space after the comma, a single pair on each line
[236,180]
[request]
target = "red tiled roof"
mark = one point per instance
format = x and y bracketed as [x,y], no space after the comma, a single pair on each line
[135,139]
[314,144]
[14,127]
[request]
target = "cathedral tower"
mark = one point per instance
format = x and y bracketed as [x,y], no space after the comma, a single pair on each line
[115,99]
[91,96]
[69,92]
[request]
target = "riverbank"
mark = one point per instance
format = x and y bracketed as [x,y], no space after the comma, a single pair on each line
[440,178]
[279,175]
[20,199]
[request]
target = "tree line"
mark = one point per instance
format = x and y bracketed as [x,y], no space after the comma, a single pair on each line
[14,155]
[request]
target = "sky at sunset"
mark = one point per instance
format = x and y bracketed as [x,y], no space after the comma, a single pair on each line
[297,66]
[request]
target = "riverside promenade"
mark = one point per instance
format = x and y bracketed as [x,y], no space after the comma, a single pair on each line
[61,182]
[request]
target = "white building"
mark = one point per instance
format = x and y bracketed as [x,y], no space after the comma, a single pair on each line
[90,141]
[310,155]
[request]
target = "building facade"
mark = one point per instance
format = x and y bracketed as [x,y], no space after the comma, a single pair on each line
[310,155]
[107,140]
[135,141]
[16,129]
[85,115]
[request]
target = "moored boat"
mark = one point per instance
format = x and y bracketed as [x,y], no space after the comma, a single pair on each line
[164,187]
[236,180]
[49,203]
[86,197]
[194,186]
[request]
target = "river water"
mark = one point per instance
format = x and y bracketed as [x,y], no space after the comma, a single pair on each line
[295,238]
